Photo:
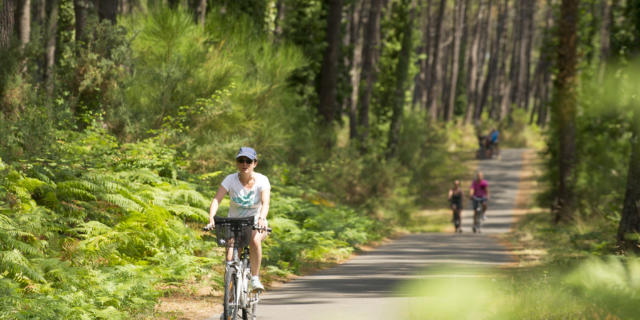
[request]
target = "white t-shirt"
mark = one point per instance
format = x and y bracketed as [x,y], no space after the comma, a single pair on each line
[245,202]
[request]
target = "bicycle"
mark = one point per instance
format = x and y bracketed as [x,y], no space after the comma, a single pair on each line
[478,213]
[484,148]
[236,233]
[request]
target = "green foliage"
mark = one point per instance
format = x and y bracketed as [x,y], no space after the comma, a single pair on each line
[305,27]
[173,66]
[604,129]
[393,26]
[423,151]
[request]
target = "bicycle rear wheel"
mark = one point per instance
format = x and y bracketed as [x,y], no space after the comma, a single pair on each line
[230,302]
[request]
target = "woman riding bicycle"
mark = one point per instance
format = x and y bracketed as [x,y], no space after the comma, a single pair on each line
[455,199]
[249,194]
[479,193]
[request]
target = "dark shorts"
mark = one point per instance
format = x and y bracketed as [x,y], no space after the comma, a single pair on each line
[478,200]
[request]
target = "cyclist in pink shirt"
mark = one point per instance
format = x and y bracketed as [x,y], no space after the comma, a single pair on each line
[480,192]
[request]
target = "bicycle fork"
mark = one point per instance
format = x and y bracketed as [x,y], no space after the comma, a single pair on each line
[242,275]
[251,297]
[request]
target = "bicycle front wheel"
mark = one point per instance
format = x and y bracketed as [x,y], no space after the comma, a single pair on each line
[250,312]
[477,221]
[230,302]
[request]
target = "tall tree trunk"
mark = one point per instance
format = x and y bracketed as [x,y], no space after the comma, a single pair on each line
[368,75]
[503,88]
[199,11]
[485,41]
[458,22]
[543,69]
[444,90]
[435,67]
[492,69]
[605,37]
[422,78]
[50,44]
[565,109]
[629,227]
[516,38]
[81,10]
[7,22]
[107,10]
[402,72]
[124,7]
[472,69]
[358,19]
[529,10]
[25,22]
[329,72]
[281,12]
[173,4]
[538,87]
[24,30]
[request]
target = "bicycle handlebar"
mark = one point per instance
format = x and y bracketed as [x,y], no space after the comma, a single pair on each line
[255,227]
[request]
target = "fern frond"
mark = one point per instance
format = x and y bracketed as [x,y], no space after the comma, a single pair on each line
[143,175]
[92,228]
[10,235]
[191,213]
[134,198]
[160,196]
[122,202]
[9,242]
[43,173]
[99,240]
[73,190]
[30,184]
[189,196]
[285,224]
[16,265]
[108,183]
[21,193]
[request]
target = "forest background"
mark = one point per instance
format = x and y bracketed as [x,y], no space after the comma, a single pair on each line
[119,118]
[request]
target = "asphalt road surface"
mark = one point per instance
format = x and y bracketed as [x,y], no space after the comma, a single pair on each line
[368,286]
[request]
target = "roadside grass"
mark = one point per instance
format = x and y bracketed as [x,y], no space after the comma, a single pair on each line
[434,220]
[591,289]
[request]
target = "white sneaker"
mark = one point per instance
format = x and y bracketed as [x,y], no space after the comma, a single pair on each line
[256,285]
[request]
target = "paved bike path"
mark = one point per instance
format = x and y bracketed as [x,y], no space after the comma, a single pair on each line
[367,286]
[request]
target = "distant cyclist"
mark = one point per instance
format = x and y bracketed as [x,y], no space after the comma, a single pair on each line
[249,192]
[479,193]
[494,140]
[455,199]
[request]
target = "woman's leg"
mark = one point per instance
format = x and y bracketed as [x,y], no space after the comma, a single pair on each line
[255,251]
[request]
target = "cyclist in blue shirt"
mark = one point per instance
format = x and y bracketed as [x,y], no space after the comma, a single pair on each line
[494,139]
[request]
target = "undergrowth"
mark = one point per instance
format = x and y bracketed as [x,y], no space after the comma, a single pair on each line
[97,230]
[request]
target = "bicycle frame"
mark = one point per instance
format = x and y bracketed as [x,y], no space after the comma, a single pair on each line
[478,212]
[240,269]
[235,234]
